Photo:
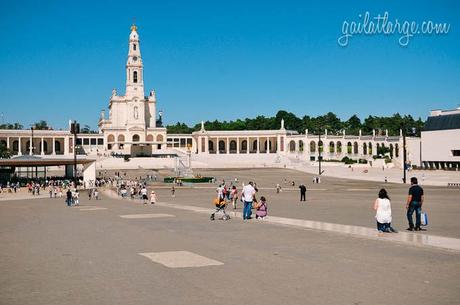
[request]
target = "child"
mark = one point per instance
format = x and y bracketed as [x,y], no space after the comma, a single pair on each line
[261,208]
[220,204]
[76,199]
[153,197]
[96,194]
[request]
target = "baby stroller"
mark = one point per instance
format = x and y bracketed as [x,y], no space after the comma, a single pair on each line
[220,207]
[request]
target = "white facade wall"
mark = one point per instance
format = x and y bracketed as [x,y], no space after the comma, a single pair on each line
[437,146]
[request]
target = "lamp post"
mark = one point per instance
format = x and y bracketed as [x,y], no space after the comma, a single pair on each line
[319,152]
[74,129]
[413,131]
[404,154]
[31,147]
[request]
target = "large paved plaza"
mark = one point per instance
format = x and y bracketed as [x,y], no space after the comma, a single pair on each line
[116,251]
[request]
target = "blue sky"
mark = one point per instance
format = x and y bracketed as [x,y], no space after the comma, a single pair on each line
[207,60]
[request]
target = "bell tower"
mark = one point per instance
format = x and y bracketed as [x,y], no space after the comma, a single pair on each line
[134,67]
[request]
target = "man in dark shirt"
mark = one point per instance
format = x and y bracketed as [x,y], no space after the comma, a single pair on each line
[69,198]
[414,204]
[303,191]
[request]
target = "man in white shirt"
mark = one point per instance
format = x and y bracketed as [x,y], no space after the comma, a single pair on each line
[248,197]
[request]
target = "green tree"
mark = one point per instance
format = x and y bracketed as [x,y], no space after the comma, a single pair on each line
[353,125]
[86,129]
[11,126]
[41,125]
[5,153]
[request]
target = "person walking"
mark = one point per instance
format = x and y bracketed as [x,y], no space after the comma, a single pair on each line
[69,197]
[173,191]
[303,192]
[382,206]
[153,197]
[414,204]
[234,196]
[76,199]
[248,197]
[144,195]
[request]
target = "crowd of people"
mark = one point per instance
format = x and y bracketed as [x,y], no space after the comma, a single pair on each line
[227,193]
[135,189]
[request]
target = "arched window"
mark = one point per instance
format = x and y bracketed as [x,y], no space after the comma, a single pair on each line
[57,146]
[159,138]
[221,146]
[391,151]
[312,146]
[210,145]
[149,138]
[320,146]
[267,145]
[397,150]
[370,148]
[364,149]
[355,148]
[135,76]
[339,147]
[254,145]
[300,145]
[233,146]
[110,138]
[292,146]
[349,147]
[136,138]
[45,146]
[331,147]
[134,47]
[136,112]
[121,138]
[244,145]
[15,145]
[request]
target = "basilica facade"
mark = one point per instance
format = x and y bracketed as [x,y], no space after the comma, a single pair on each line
[131,127]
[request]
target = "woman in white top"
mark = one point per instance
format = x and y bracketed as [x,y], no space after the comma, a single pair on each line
[382,206]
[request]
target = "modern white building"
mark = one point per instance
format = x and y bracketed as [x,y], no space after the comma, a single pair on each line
[133,129]
[440,140]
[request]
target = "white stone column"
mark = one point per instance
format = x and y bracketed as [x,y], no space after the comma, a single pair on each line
[248,145]
[31,146]
[19,146]
[66,146]
[217,146]
[278,143]
[54,145]
[258,145]
[8,142]
[237,145]
[42,146]
[228,145]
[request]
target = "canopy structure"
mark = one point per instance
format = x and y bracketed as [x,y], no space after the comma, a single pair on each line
[89,165]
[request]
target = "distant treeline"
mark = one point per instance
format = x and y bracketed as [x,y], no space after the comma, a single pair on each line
[329,121]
